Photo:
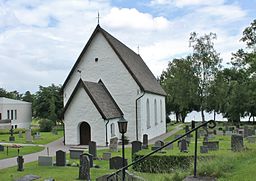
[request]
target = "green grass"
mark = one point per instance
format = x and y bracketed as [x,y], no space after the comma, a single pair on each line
[46,137]
[13,152]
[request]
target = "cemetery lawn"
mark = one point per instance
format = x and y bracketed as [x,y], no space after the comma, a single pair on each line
[46,137]
[12,152]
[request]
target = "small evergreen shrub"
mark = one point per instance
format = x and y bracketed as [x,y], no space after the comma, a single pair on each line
[46,125]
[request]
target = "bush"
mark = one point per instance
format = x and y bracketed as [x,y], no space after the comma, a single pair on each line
[162,163]
[15,131]
[46,125]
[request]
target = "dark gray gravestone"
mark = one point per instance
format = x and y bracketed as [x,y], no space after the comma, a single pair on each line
[157,145]
[145,141]
[237,143]
[183,145]
[28,178]
[28,136]
[60,158]
[212,145]
[136,146]
[93,149]
[203,149]
[106,156]
[1,148]
[246,131]
[251,139]
[20,161]
[84,168]
[90,156]
[187,130]
[116,162]
[113,146]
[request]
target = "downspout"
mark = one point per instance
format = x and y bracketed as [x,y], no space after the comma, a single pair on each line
[106,132]
[136,121]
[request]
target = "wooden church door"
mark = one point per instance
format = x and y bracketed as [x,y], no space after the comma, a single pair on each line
[85,133]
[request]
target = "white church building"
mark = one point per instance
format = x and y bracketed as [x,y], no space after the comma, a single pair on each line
[19,113]
[109,81]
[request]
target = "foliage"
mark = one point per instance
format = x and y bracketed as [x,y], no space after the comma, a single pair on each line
[179,82]
[46,125]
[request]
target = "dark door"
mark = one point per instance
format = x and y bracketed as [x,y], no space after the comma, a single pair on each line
[85,133]
[0,116]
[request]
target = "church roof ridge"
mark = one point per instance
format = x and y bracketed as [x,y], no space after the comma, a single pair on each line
[131,60]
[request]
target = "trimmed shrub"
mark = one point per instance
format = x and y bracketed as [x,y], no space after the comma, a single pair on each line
[46,125]
[162,163]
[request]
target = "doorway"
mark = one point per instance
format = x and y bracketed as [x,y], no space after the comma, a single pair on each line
[85,133]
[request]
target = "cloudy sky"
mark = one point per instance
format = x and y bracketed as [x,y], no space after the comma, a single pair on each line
[40,40]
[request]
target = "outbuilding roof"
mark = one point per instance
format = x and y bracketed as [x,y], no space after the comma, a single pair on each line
[132,61]
[100,97]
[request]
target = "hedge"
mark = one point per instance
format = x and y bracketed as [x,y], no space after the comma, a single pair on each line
[162,163]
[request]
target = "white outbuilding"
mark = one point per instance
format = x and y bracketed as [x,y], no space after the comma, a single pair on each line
[18,112]
[109,81]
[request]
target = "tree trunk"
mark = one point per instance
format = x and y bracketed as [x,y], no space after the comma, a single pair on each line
[177,117]
[214,115]
[202,114]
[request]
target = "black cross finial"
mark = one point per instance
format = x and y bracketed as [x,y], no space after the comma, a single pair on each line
[98,17]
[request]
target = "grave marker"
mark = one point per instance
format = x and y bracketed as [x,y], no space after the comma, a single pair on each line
[60,158]
[84,168]
[45,161]
[28,136]
[93,149]
[145,141]
[1,148]
[106,156]
[113,146]
[116,162]
[20,161]
[136,146]
[183,145]
[237,143]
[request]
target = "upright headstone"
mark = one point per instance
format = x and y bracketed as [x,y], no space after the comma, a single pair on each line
[246,131]
[20,134]
[28,136]
[90,156]
[183,145]
[113,146]
[237,143]
[203,149]
[45,161]
[116,162]
[37,136]
[145,141]
[212,145]
[157,145]
[251,139]
[84,168]
[20,161]
[1,148]
[93,149]
[169,147]
[187,130]
[136,146]
[60,158]
[11,138]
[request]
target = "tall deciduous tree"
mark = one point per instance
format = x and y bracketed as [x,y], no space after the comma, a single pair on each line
[206,62]
[181,86]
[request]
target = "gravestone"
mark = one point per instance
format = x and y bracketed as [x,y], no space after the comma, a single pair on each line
[203,149]
[28,136]
[90,156]
[228,133]
[251,132]
[75,154]
[220,133]
[157,145]
[187,130]
[60,158]
[11,137]
[93,149]
[20,161]
[37,136]
[136,146]
[20,134]
[183,145]
[251,139]
[212,145]
[45,161]
[116,162]
[84,168]
[246,131]
[1,148]
[106,156]
[113,146]
[145,141]
[169,147]
[237,143]
[28,178]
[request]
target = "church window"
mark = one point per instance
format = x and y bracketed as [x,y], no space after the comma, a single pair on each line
[148,114]
[0,116]
[112,130]
[96,59]
[15,114]
[11,114]
[8,114]
[161,111]
[155,111]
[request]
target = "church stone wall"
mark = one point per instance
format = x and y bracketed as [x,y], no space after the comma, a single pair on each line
[154,129]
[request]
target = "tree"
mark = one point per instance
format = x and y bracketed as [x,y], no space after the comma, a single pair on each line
[180,84]
[48,102]
[206,62]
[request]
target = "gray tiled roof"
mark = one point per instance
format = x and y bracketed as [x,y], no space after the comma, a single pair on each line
[103,100]
[132,61]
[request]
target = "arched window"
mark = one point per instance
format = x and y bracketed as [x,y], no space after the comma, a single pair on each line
[155,111]
[148,114]
[112,130]
[161,111]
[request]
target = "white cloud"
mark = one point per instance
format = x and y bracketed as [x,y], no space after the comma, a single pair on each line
[182,3]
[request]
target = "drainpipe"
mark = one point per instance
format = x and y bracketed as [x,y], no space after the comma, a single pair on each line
[136,107]
[106,125]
